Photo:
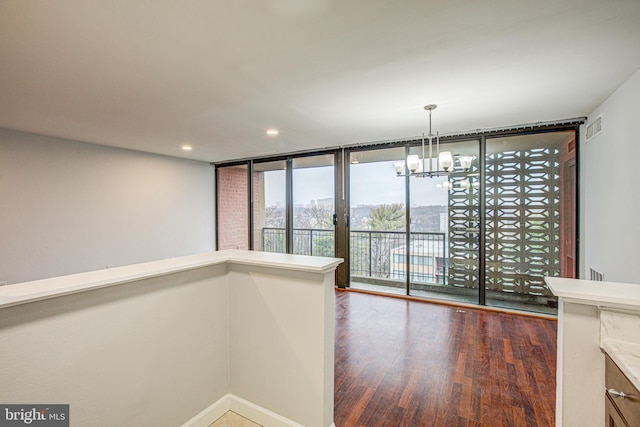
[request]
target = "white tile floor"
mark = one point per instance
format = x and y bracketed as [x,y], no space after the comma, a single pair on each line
[231,419]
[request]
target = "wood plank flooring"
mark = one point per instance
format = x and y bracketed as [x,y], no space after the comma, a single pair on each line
[412,363]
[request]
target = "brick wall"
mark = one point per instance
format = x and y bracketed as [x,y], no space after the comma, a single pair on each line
[233,227]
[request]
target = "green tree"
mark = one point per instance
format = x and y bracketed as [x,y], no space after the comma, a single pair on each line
[383,219]
[387,217]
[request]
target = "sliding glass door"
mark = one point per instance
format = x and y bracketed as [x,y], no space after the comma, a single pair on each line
[487,232]
[269,206]
[313,205]
[414,234]
[377,232]
[444,230]
[293,205]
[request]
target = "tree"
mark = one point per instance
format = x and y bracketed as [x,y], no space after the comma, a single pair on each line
[274,217]
[313,230]
[273,235]
[318,217]
[387,218]
[383,219]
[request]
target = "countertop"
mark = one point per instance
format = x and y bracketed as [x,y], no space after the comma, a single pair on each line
[619,314]
[600,294]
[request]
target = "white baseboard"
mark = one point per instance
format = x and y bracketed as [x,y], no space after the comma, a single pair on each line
[258,414]
[243,407]
[210,414]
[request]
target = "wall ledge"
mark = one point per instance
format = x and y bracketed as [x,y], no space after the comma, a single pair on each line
[23,293]
[599,294]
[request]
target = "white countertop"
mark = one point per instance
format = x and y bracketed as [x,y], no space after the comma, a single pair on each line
[620,339]
[619,312]
[601,294]
[22,293]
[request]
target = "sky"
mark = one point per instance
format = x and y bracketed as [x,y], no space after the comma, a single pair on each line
[371,184]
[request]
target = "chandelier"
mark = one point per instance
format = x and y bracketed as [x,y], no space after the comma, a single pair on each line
[445,162]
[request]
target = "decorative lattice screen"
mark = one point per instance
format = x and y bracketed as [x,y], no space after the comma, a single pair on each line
[463,226]
[522,223]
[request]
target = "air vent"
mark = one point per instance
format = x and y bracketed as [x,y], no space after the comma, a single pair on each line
[595,274]
[594,128]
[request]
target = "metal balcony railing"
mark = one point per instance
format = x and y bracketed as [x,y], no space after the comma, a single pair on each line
[306,241]
[382,254]
[379,258]
[376,254]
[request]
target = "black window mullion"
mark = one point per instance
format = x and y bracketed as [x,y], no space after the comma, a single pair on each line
[342,211]
[482,262]
[250,202]
[407,227]
[216,215]
[289,208]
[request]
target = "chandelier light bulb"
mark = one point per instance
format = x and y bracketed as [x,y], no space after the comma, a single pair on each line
[445,160]
[465,162]
[399,167]
[413,162]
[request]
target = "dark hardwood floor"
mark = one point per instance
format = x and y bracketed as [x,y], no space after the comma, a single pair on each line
[412,363]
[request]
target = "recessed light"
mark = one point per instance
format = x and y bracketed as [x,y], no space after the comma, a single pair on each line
[272,131]
[186,147]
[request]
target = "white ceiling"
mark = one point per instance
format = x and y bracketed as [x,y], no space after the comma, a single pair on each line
[152,75]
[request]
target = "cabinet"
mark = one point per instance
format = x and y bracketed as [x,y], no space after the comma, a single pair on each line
[614,419]
[622,399]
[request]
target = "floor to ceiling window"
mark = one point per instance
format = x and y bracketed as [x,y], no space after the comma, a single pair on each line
[444,226]
[525,189]
[487,231]
[377,221]
[313,205]
[292,207]
[269,206]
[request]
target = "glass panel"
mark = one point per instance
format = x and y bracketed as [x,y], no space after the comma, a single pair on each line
[313,206]
[530,218]
[233,208]
[444,243]
[269,206]
[377,232]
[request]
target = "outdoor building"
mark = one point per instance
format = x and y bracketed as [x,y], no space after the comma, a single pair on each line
[427,264]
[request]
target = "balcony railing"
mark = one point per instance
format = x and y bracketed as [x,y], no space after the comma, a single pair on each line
[306,241]
[382,254]
[375,254]
[379,258]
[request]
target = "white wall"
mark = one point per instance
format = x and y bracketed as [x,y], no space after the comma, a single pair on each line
[610,178]
[281,335]
[176,342]
[151,352]
[68,207]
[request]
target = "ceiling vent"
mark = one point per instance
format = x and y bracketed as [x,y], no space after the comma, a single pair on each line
[594,128]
